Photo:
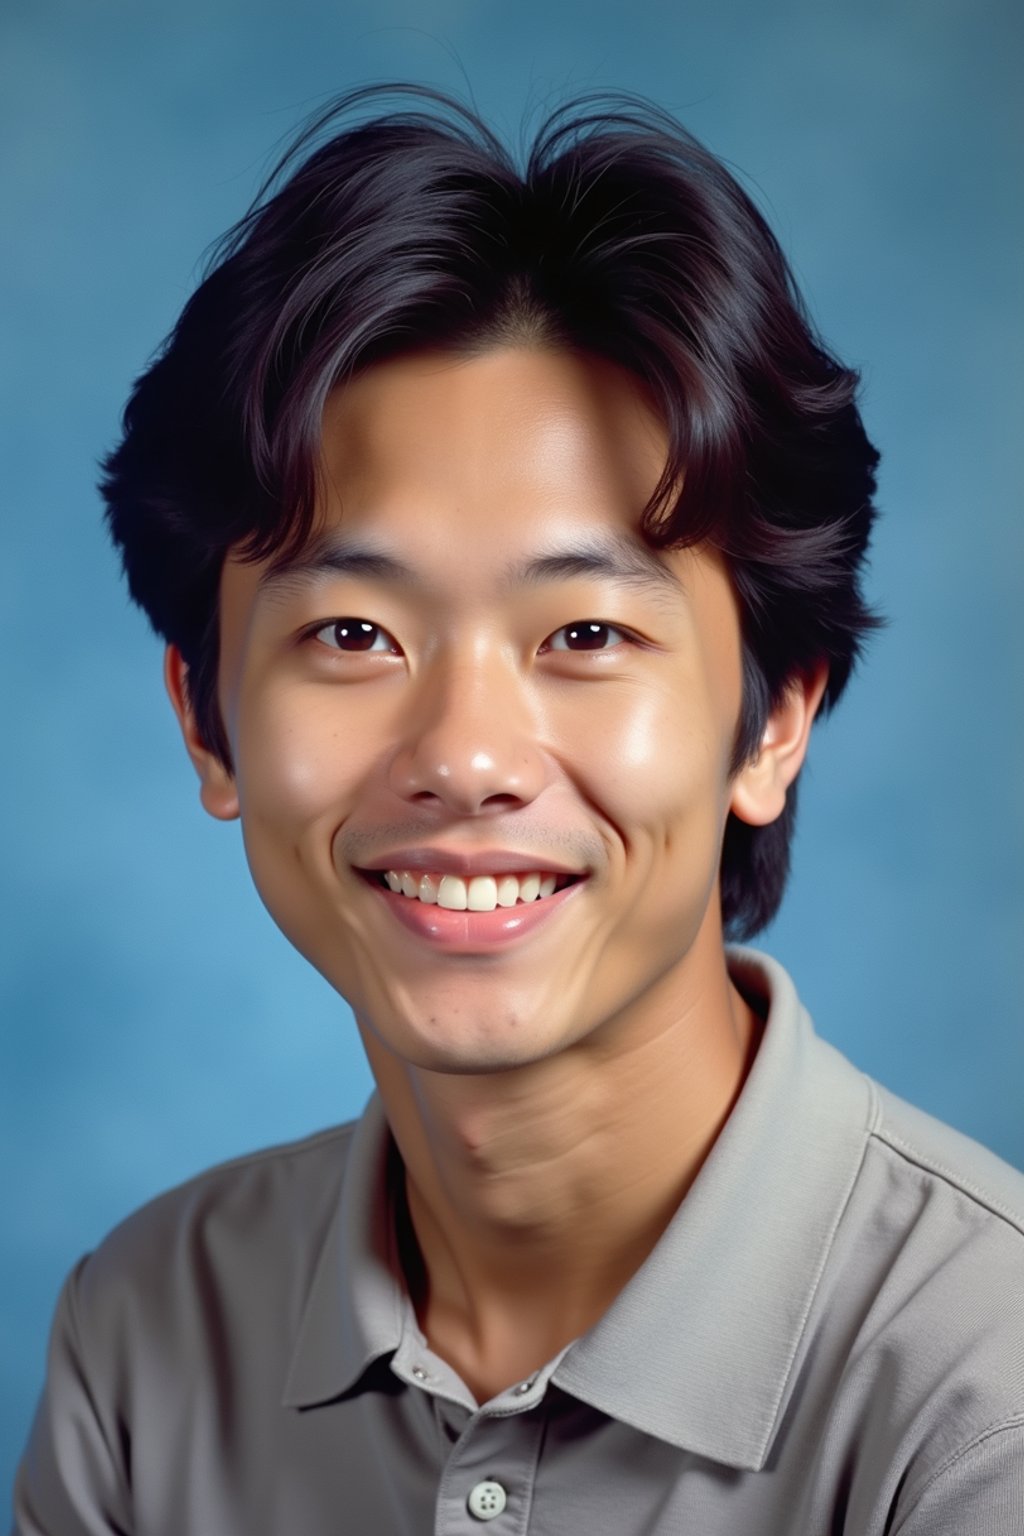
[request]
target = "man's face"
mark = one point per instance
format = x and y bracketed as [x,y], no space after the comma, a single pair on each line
[476,674]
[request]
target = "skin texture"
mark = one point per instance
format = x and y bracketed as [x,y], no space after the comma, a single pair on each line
[552,1097]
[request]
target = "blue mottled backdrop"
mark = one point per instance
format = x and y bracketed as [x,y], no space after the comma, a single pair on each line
[153,1019]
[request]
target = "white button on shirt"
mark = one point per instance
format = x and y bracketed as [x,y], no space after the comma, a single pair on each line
[487,1500]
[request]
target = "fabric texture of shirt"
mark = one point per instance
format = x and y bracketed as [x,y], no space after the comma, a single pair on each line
[828,1340]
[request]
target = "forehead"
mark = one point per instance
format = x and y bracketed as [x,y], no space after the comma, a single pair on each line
[510,446]
[529,416]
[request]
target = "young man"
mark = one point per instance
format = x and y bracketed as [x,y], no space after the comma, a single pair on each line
[505,530]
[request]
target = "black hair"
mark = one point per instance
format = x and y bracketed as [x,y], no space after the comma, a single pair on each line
[620,236]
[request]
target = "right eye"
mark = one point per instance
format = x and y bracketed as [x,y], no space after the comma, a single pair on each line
[355,636]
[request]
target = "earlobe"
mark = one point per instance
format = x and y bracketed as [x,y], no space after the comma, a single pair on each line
[217,791]
[759,789]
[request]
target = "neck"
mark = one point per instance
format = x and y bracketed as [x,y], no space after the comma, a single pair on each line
[570,1167]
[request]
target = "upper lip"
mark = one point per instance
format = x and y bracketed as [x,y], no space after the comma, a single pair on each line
[443,861]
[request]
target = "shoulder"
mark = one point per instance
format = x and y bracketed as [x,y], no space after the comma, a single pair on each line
[928,1268]
[951,1207]
[947,1159]
[250,1227]
[947,1213]
[243,1196]
[177,1330]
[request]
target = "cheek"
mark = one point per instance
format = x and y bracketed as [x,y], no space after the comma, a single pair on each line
[300,769]
[297,761]
[654,761]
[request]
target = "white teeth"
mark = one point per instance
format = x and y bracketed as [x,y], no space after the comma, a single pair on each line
[482,893]
[452,893]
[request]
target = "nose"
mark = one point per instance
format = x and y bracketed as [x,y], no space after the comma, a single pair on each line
[470,745]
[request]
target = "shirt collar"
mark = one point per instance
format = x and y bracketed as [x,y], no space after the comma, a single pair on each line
[698,1348]
[356,1301]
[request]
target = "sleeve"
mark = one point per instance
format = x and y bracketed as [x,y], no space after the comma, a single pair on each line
[73,1477]
[980,1491]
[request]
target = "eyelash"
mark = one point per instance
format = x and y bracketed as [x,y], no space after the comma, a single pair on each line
[378,632]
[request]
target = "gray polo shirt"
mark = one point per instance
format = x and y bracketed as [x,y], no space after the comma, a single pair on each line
[827,1341]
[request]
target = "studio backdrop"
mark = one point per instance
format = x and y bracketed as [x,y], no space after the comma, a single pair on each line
[154,1020]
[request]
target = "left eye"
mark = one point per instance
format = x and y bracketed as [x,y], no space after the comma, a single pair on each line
[586,635]
[355,635]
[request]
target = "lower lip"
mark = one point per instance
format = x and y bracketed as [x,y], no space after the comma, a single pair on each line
[474,932]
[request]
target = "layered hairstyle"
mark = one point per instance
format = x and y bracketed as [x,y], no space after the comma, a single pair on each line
[615,234]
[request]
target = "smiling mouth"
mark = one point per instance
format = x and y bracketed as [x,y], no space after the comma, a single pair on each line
[476,893]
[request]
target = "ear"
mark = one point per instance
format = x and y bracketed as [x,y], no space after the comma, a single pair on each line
[759,789]
[217,785]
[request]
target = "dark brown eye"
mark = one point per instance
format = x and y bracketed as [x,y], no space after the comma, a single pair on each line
[355,635]
[586,635]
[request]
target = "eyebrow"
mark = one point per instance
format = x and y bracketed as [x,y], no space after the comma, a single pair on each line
[335,555]
[612,558]
[615,558]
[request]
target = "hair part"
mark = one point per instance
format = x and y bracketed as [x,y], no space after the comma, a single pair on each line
[620,236]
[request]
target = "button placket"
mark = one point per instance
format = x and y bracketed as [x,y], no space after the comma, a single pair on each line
[488,1480]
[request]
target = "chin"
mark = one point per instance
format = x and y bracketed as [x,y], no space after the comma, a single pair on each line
[441,1041]
[460,1028]
[470,1056]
